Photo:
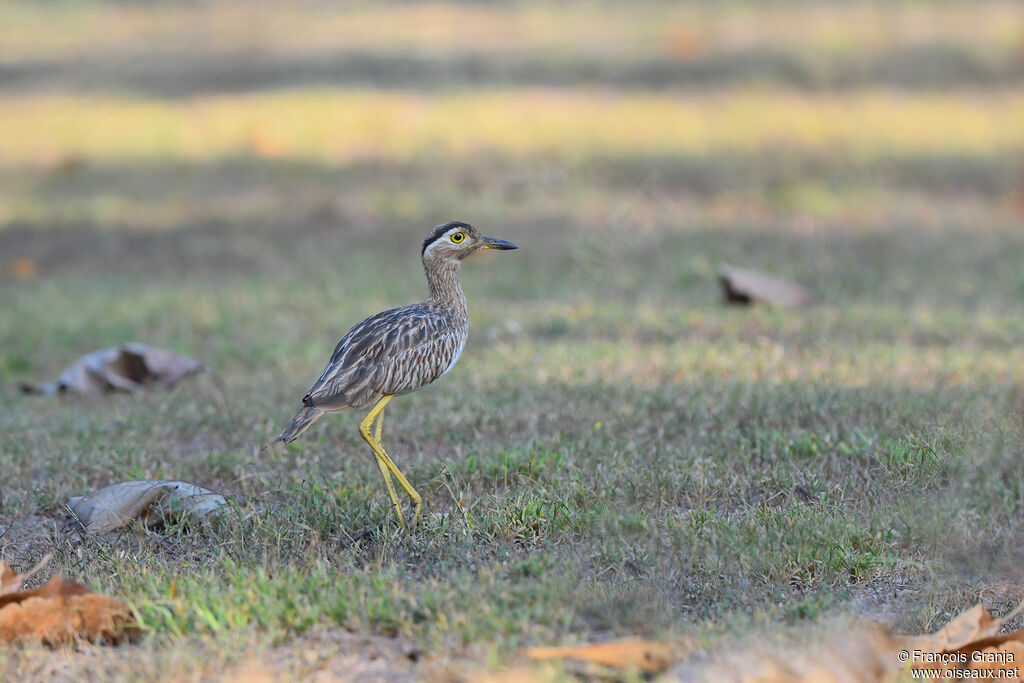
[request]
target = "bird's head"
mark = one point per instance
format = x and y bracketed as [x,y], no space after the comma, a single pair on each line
[455,240]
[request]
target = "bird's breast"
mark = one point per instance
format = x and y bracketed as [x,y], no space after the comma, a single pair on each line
[458,352]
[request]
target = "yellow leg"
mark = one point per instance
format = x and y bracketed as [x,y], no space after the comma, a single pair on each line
[384,470]
[382,457]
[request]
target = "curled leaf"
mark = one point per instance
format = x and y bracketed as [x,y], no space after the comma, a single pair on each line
[637,654]
[971,642]
[60,611]
[23,267]
[974,624]
[151,501]
[746,286]
[129,367]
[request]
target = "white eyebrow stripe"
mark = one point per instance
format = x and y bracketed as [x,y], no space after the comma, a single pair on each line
[442,238]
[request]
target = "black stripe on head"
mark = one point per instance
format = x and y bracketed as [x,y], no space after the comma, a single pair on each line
[440,230]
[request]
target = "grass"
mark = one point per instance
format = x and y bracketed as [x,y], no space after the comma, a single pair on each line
[68,29]
[338,127]
[616,453]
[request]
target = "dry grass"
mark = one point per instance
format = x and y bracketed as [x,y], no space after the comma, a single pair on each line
[337,127]
[68,29]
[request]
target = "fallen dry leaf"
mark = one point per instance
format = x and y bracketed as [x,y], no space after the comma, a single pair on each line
[60,611]
[853,655]
[971,642]
[12,582]
[996,654]
[9,580]
[649,656]
[861,655]
[683,42]
[265,144]
[152,501]
[745,286]
[129,367]
[23,267]
[974,624]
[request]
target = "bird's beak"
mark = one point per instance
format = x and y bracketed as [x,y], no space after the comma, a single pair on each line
[495,243]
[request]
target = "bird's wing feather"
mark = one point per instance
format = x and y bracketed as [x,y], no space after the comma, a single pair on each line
[392,352]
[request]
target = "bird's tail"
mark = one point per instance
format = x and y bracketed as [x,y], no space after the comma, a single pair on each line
[300,423]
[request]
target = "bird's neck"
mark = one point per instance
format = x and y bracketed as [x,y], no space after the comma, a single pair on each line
[446,285]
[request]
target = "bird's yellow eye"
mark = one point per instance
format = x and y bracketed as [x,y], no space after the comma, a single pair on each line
[458,237]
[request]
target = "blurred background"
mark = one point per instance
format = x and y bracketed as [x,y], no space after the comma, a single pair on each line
[872,150]
[243,181]
[249,140]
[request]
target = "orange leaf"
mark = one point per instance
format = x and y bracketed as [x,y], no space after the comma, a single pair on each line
[60,611]
[683,42]
[129,367]
[649,656]
[23,267]
[12,582]
[969,626]
[976,624]
[9,580]
[994,653]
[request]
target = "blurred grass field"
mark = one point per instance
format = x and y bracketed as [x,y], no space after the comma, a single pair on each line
[616,453]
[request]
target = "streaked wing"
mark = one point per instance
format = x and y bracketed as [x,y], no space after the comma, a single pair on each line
[393,352]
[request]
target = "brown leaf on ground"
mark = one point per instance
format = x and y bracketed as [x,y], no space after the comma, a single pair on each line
[637,654]
[151,501]
[60,611]
[266,144]
[684,42]
[129,367]
[746,286]
[9,580]
[971,642]
[862,655]
[868,654]
[974,624]
[12,582]
[23,267]
[998,653]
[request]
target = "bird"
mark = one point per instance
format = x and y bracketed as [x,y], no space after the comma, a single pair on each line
[399,351]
